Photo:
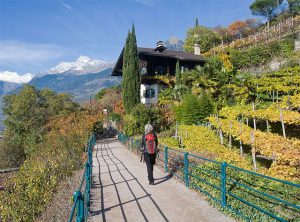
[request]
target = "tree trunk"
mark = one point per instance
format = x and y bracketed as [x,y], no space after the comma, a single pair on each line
[282,123]
[221,136]
[253,150]
[254,121]
[230,137]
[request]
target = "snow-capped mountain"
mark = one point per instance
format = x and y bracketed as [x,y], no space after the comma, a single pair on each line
[82,65]
[174,43]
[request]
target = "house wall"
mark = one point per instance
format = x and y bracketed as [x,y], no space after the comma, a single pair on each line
[152,100]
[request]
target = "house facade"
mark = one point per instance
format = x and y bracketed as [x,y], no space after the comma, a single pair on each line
[159,61]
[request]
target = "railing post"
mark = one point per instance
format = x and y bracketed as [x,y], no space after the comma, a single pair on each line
[223,184]
[79,207]
[88,184]
[186,169]
[166,159]
[132,143]
[90,154]
[137,146]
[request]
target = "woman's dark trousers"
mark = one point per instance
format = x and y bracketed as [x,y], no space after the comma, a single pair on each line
[150,161]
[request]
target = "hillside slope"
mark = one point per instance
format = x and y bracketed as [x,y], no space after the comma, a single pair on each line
[79,86]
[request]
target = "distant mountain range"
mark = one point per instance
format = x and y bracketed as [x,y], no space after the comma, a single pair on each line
[174,43]
[7,87]
[82,65]
[79,86]
[82,79]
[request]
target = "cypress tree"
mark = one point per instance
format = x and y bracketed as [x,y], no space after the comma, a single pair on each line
[131,77]
[177,74]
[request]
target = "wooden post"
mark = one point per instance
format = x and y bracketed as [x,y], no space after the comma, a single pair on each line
[268,127]
[282,123]
[230,137]
[254,121]
[241,144]
[176,130]
[253,149]
[221,136]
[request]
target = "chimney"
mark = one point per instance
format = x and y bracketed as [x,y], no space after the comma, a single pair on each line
[197,50]
[160,46]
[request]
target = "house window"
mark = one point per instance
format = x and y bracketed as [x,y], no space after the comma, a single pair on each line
[159,70]
[149,93]
[144,71]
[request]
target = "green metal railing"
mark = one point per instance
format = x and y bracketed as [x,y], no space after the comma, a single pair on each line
[81,198]
[249,195]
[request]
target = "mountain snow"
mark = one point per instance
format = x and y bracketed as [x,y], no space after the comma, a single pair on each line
[174,43]
[82,65]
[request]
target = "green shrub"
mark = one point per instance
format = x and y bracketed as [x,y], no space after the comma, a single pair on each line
[140,115]
[10,157]
[261,54]
[98,127]
[130,125]
[116,117]
[152,115]
[193,110]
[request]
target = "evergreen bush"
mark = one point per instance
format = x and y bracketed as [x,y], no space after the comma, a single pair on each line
[116,117]
[193,110]
[140,116]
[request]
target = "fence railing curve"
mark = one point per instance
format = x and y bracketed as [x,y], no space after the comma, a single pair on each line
[229,186]
[81,198]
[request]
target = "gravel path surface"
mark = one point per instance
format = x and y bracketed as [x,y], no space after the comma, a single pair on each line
[60,207]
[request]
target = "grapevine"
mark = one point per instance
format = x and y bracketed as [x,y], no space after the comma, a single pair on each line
[285,151]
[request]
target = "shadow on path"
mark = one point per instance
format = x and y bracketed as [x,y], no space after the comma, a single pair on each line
[104,154]
[163,179]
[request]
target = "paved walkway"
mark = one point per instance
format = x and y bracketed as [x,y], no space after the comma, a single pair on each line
[120,191]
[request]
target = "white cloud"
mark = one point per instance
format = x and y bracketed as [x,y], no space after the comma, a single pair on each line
[65,5]
[15,77]
[15,52]
[145,2]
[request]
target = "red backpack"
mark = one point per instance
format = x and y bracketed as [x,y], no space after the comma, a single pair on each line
[150,143]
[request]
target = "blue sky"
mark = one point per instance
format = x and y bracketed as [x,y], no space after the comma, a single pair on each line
[37,34]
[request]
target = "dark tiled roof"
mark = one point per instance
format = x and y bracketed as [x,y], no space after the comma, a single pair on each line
[180,55]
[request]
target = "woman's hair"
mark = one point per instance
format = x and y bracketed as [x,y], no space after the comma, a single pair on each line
[148,128]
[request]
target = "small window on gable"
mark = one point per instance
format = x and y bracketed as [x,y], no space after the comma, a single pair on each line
[149,93]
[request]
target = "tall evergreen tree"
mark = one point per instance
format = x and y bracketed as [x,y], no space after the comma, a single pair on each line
[131,76]
[177,74]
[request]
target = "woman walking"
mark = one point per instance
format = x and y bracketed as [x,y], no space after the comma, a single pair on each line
[149,150]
